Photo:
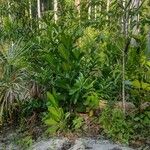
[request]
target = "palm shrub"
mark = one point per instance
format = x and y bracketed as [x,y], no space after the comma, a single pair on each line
[12,81]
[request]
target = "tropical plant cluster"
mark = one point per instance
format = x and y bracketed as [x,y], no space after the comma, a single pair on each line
[59,60]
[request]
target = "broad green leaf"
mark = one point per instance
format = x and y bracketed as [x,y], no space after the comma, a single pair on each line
[63,52]
[53,129]
[50,122]
[144,86]
[56,113]
[52,99]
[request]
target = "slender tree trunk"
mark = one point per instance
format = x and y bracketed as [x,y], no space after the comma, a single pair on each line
[148,43]
[89,10]
[9,9]
[42,7]
[107,8]
[55,10]
[95,12]
[1,21]
[123,84]
[10,18]
[99,8]
[30,10]
[135,5]
[135,20]
[123,59]
[77,5]
[39,11]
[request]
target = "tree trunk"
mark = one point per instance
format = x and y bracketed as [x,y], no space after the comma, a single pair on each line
[77,4]
[9,9]
[107,8]
[123,58]
[30,10]
[39,11]
[55,10]
[135,5]
[95,12]
[89,10]
[42,7]
[10,18]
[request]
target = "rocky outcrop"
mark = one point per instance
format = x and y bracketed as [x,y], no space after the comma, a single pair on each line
[79,144]
[66,144]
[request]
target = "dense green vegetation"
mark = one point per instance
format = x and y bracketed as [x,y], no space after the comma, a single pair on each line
[58,65]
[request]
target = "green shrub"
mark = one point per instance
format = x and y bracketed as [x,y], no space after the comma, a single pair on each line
[25,142]
[141,124]
[32,105]
[78,123]
[115,125]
